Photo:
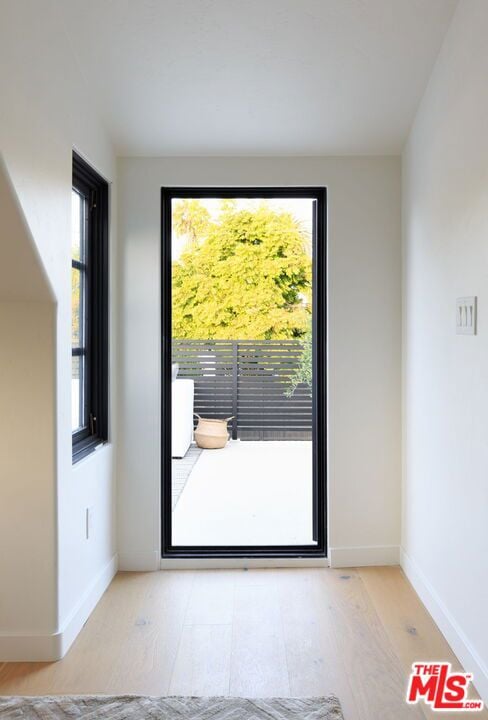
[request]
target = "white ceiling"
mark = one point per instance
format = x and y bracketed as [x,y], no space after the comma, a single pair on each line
[259,77]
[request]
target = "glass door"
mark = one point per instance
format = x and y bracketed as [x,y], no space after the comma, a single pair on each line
[244,373]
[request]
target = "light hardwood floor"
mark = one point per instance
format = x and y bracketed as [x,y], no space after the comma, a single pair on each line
[353,632]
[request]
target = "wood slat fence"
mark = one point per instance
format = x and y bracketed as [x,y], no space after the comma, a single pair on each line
[248,379]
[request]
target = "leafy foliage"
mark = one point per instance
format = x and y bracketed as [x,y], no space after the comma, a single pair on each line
[303,374]
[75,306]
[192,219]
[246,275]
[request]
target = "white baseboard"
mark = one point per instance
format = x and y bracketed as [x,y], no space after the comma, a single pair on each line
[140,562]
[39,648]
[448,626]
[364,555]
[82,611]
[240,563]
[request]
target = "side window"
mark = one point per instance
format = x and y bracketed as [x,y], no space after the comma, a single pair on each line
[89,312]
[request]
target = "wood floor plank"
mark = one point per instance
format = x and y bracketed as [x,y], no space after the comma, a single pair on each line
[315,667]
[377,679]
[258,659]
[409,626]
[88,664]
[202,665]
[212,598]
[406,620]
[255,633]
[153,634]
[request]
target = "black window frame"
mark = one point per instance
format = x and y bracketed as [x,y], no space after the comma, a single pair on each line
[94,265]
[320,373]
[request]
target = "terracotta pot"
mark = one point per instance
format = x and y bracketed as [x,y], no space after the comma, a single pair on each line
[211,434]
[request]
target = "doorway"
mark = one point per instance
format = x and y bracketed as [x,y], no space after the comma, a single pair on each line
[243,310]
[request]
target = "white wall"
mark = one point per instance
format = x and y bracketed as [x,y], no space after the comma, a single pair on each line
[44,114]
[364,343]
[445,210]
[27,499]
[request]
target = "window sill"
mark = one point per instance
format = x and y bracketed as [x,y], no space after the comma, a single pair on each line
[85,448]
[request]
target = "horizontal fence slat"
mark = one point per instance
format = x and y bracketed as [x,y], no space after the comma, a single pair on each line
[260,372]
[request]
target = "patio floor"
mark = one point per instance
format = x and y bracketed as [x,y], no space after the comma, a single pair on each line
[248,493]
[181,470]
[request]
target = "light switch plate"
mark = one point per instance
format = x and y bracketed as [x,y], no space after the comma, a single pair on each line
[466,315]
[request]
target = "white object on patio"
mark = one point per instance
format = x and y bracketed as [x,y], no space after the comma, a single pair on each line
[181,416]
[248,493]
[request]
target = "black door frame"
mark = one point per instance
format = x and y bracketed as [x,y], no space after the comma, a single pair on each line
[319,349]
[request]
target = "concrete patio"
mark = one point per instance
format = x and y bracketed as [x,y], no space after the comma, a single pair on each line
[249,493]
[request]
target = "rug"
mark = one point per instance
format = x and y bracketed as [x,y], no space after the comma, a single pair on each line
[132,707]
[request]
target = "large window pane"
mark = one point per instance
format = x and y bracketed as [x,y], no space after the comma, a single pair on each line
[76,307]
[77,212]
[78,421]
[241,316]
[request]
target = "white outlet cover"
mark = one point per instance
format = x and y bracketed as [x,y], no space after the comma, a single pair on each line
[88,522]
[466,315]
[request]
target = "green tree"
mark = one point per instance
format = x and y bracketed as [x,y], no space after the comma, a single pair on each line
[190,218]
[250,277]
